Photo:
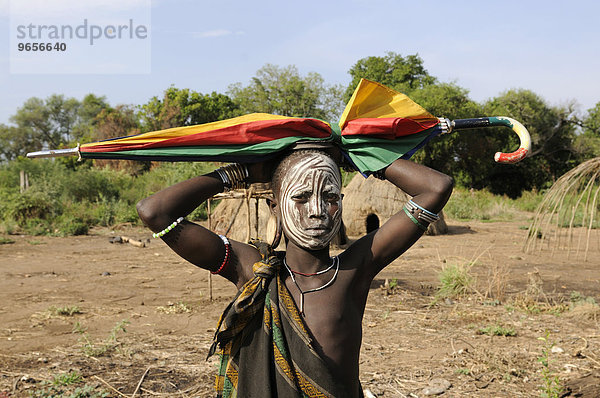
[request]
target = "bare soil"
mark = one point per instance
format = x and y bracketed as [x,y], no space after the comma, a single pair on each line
[411,337]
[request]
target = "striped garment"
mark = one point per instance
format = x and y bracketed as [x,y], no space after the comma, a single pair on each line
[265,348]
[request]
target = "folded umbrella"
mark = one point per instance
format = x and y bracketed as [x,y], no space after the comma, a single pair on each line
[378,126]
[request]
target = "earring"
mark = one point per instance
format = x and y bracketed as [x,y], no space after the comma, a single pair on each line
[277,237]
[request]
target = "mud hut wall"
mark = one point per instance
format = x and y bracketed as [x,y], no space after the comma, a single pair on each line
[365,196]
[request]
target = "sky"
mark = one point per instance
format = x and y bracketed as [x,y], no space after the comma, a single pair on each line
[551,48]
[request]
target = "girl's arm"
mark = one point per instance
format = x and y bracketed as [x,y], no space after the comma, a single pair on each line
[191,241]
[429,189]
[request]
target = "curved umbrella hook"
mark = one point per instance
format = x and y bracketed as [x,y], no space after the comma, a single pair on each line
[500,157]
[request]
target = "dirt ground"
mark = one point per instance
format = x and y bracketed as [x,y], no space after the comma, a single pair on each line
[411,337]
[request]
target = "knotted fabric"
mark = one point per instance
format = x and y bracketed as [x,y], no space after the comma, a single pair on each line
[249,300]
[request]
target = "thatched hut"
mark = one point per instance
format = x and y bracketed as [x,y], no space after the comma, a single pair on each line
[369,202]
[568,218]
[244,214]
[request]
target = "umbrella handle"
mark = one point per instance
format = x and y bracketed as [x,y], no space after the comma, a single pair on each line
[500,157]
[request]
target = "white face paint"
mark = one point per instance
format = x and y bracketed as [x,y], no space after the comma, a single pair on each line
[310,201]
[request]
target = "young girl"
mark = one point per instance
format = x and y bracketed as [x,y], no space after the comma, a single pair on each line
[295,327]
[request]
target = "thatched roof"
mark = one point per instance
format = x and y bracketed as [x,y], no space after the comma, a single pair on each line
[568,218]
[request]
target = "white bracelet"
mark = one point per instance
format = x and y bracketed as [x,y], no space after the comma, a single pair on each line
[168,229]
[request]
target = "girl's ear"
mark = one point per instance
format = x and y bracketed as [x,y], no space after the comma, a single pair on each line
[272,203]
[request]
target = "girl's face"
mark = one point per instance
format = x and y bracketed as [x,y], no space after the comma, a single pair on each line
[310,201]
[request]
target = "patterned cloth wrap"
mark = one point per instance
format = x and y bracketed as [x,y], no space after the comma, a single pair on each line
[265,347]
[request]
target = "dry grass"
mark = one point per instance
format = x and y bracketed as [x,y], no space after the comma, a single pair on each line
[497,280]
[572,202]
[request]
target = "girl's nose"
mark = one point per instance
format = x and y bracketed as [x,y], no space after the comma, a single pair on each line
[315,207]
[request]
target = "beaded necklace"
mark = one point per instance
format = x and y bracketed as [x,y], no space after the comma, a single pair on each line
[335,262]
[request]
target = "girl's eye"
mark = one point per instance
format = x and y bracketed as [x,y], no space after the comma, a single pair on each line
[302,196]
[332,197]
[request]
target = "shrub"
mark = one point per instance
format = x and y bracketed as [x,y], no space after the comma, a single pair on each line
[467,205]
[71,225]
[66,379]
[32,204]
[91,185]
[96,349]
[529,200]
[6,241]
[482,205]
[64,311]
[37,226]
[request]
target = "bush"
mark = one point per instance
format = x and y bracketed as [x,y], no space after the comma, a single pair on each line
[469,204]
[69,225]
[32,204]
[529,200]
[108,212]
[66,198]
[92,185]
[37,226]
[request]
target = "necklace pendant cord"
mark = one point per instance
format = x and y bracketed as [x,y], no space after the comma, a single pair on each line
[335,262]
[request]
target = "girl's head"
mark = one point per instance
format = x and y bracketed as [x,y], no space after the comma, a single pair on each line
[307,186]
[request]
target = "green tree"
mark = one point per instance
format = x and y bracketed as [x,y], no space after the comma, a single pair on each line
[91,107]
[34,117]
[115,122]
[119,121]
[184,107]
[588,142]
[404,74]
[592,120]
[51,121]
[16,142]
[467,155]
[63,114]
[282,91]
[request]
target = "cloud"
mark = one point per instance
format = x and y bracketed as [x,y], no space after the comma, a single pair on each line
[215,33]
